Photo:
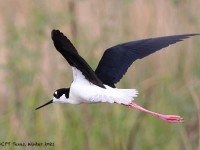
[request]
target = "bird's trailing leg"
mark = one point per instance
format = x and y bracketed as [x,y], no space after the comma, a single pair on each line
[167,118]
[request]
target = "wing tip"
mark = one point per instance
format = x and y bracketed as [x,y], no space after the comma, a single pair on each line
[55,32]
[192,34]
[185,36]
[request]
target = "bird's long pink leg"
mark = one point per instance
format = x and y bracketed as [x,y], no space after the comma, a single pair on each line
[167,118]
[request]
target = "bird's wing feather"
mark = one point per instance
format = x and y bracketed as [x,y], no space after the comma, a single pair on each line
[117,59]
[69,52]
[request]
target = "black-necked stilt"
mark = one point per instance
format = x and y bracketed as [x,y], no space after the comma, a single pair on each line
[91,86]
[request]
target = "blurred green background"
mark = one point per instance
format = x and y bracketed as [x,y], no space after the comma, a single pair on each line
[31,70]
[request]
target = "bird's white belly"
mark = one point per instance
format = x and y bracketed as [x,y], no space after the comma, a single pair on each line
[90,93]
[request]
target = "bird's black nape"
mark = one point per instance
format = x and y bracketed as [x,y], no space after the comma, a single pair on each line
[59,92]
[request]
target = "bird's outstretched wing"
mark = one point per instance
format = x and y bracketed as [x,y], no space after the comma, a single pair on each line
[117,59]
[69,52]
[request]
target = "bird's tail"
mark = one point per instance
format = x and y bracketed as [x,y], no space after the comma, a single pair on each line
[129,92]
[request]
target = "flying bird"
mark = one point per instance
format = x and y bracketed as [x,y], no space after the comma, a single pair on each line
[90,86]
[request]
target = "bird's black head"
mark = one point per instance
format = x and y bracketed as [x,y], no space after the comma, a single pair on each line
[60,95]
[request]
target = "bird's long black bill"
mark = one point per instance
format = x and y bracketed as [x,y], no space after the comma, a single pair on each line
[51,101]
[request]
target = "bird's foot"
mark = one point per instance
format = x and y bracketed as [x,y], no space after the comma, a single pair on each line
[167,118]
[171,118]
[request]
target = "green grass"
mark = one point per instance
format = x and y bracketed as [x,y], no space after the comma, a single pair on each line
[31,69]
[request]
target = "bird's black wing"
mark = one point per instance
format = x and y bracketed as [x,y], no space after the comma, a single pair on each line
[69,52]
[117,59]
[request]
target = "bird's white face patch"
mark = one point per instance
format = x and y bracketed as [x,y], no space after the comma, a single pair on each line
[62,99]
